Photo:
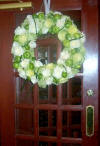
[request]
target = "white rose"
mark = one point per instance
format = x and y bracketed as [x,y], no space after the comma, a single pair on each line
[49,81]
[75,44]
[30,19]
[61,22]
[45,30]
[32,44]
[46,72]
[56,12]
[64,55]
[24,63]
[17,50]
[62,35]
[20,30]
[60,61]
[39,25]
[22,73]
[38,63]
[58,72]
[33,79]
[68,69]
[29,73]
[32,28]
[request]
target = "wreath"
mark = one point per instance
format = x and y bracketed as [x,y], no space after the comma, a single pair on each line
[37,26]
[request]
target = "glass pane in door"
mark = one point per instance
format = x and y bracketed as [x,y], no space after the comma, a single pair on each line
[72,91]
[24,121]
[24,91]
[71,122]
[47,123]
[24,143]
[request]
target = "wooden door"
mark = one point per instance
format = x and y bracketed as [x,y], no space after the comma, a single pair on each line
[57,115]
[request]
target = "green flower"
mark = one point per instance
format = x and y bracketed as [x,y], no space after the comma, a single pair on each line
[31,36]
[57,16]
[48,23]
[29,73]
[55,80]
[35,16]
[63,80]
[17,59]
[40,76]
[62,35]
[31,66]
[77,35]
[26,26]
[69,62]
[68,36]
[64,74]
[50,66]
[68,23]
[72,29]
[22,39]
[54,30]
[41,16]
[27,55]
[16,65]
[66,43]
[77,58]
[27,47]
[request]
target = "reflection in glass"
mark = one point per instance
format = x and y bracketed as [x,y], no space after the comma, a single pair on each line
[24,91]
[48,95]
[71,122]
[47,123]
[72,91]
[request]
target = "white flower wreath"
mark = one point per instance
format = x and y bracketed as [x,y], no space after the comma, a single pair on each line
[71,57]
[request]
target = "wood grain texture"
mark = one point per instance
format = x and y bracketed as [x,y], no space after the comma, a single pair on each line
[6,80]
[91,64]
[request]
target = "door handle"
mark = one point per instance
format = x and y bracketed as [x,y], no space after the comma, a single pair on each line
[89,120]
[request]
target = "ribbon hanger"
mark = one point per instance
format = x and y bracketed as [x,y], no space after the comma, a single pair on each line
[47,6]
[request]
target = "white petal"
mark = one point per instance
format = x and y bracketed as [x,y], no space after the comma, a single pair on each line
[20,30]
[64,55]
[75,44]
[32,28]
[32,44]
[24,63]
[49,81]
[33,79]
[46,72]
[22,73]
[38,63]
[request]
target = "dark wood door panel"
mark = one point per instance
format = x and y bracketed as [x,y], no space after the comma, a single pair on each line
[50,122]
[59,5]
[6,80]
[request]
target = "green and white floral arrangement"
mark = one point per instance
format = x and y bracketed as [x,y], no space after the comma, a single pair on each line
[71,57]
